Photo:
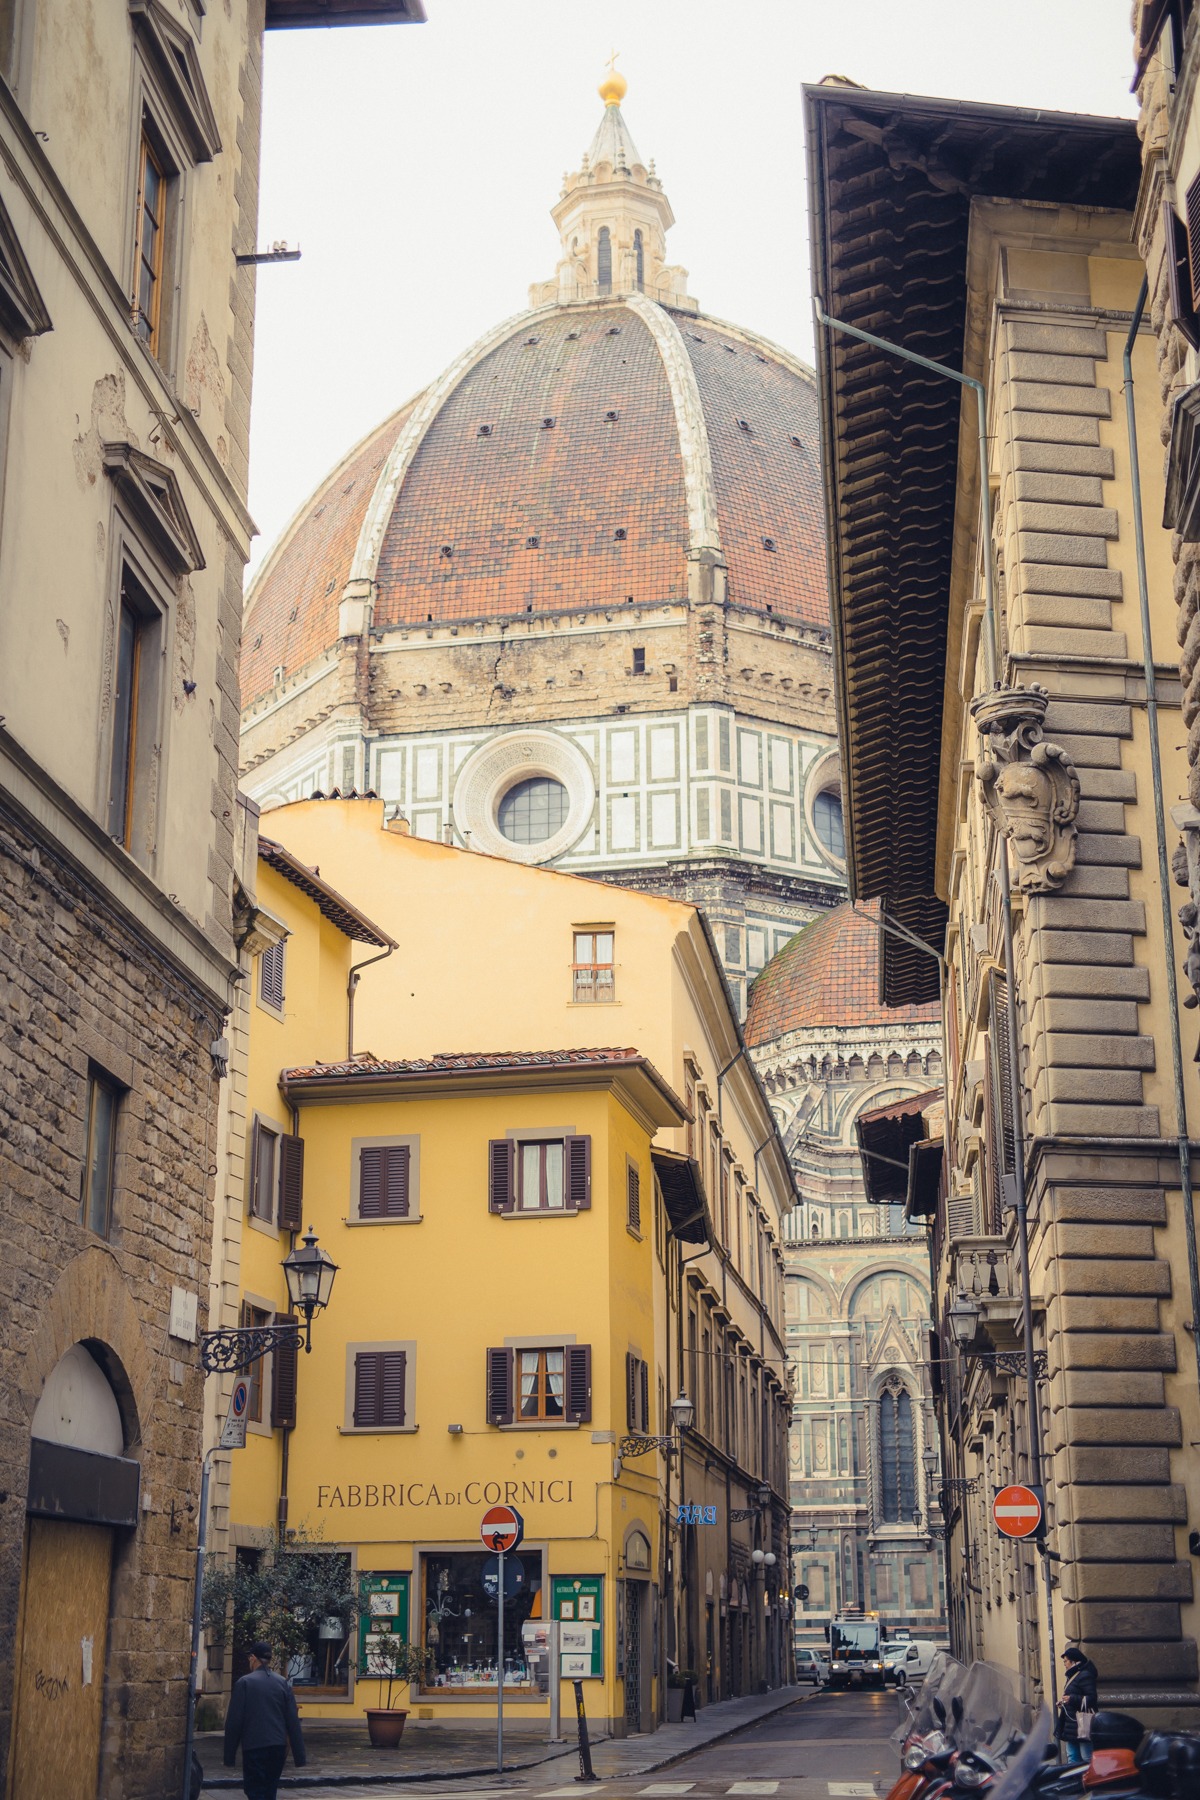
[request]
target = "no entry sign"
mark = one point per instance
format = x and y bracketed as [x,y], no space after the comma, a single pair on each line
[1017,1511]
[501,1528]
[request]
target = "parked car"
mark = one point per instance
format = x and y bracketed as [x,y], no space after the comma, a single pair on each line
[812,1665]
[908,1660]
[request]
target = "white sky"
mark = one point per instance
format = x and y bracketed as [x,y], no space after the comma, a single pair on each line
[415,166]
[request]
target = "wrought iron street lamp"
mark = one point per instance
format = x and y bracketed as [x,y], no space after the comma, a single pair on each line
[309,1273]
[964,1317]
[929,1462]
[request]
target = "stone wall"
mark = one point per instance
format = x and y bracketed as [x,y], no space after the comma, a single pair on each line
[79,982]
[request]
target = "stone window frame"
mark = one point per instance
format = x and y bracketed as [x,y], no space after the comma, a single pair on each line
[129,552]
[268,1227]
[154,106]
[93,1050]
[387,1141]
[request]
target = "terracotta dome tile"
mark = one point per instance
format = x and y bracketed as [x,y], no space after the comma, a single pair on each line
[573,486]
[827,975]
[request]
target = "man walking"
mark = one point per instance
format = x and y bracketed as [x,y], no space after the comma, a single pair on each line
[1079,1694]
[262,1717]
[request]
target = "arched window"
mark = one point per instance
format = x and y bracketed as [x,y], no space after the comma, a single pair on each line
[897,1469]
[639,257]
[604,260]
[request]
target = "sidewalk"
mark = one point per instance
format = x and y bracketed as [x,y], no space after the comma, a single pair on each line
[339,1756]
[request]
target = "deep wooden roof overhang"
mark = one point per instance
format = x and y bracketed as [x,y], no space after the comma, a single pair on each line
[891,179]
[300,14]
[334,906]
[885,1135]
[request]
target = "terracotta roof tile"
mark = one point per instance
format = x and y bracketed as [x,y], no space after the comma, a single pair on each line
[828,974]
[466,1061]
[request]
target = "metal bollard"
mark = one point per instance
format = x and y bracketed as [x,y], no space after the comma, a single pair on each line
[586,1772]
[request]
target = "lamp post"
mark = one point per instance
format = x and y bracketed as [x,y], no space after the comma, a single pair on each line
[309,1272]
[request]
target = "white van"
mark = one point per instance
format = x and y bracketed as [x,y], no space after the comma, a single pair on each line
[908,1660]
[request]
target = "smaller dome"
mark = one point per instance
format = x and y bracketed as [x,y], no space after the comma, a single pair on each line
[613,88]
[828,974]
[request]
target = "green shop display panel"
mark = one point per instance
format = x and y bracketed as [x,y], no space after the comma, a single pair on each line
[385,1609]
[577,1602]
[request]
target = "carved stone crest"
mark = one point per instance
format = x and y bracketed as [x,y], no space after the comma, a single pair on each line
[1030,787]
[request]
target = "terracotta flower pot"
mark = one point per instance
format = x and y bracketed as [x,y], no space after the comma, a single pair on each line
[384,1728]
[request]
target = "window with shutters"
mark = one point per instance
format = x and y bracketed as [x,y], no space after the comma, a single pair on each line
[385,1181]
[539,1384]
[633,1197]
[380,1386]
[256,1313]
[592,969]
[134,748]
[637,1394]
[265,1135]
[535,1173]
[998,1099]
[270,978]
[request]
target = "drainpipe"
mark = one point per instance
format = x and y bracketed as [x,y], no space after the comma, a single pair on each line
[352,988]
[991,676]
[1160,830]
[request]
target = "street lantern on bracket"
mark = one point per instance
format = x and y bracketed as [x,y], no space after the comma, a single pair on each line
[640,1443]
[929,1462]
[309,1273]
[964,1316]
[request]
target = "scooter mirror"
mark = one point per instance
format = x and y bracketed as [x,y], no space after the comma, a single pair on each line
[940,1710]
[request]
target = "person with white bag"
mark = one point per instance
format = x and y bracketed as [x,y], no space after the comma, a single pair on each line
[1080,1698]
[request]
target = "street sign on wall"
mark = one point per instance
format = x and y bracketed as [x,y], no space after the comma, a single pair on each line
[1017,1511]
[233,1433]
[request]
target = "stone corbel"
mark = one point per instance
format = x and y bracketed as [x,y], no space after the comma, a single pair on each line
[1029,786]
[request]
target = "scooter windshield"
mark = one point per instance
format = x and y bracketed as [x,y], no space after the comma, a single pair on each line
[931,1707]
[994,1722]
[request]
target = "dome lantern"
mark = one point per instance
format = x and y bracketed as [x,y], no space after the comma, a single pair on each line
[613,218]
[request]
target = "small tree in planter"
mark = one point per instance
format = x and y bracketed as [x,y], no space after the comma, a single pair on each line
[391,1659]
[291,1588]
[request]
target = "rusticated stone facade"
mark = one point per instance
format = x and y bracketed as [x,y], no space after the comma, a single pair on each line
[82,985]
[1073,1111]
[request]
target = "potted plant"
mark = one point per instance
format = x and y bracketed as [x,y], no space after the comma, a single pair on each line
[290,1593]
[676,1687]
[394,1661]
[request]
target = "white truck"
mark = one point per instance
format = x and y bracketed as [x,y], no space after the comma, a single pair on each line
[854,1653]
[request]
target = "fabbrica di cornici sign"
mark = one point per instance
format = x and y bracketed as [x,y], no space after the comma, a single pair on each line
[394,1494]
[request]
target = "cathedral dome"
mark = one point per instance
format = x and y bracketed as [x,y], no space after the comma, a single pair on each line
[580,456]
[585,454]
[827,976]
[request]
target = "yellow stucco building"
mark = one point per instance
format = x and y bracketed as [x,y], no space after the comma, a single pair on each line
[541,1244]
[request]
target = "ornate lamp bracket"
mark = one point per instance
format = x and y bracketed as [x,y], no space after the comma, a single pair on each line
[1029,786]
[239,1347]
[1012,1362]
[641,1445]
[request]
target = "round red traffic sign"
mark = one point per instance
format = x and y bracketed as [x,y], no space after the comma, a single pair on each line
[1017,1511]
[501,1528]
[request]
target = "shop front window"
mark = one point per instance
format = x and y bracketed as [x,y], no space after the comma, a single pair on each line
[459,1606]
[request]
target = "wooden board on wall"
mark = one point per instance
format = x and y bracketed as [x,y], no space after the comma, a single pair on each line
[60,1667]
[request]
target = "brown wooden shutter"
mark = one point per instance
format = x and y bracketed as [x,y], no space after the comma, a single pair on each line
[644,1395]
[501,1175]
[392,1364]
[500,1386]
[291,1183]
[270,980]
[1191,207]
[579,1383]
[1179,281]
[366,1388]
[1002,1149]
[283,1377]
[631,1391]
[383,1181]
[633,1198]
[579,1173]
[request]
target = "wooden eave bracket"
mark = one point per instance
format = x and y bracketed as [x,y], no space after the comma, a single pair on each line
[152,494]
[172,54]
[23,312]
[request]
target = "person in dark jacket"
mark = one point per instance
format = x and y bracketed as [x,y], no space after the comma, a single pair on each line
[263,1719]
[1078,1693]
